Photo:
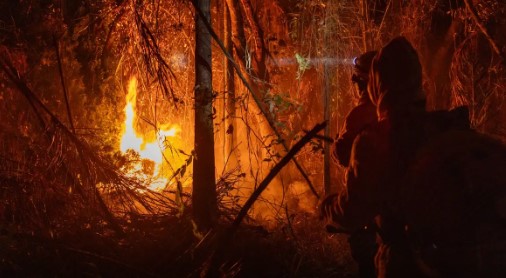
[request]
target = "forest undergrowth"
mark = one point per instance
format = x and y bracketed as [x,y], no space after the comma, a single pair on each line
[166,247]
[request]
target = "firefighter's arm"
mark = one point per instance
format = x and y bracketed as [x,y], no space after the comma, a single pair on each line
[357,205]
[341,149]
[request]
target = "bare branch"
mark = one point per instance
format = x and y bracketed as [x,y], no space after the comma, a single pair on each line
[482,28]
[275,170]
[64,87]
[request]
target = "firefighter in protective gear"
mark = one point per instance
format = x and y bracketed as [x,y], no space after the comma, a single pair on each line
[362,241]
[436,188]
[378,156]
[361,116]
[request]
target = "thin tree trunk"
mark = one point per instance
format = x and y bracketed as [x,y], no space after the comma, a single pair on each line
[205,210]
[438,67]
[236,24]
[362,23]
[230,90]
[257,44]
[326,110]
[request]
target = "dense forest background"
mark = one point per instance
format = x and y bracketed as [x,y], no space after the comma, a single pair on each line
[74,201]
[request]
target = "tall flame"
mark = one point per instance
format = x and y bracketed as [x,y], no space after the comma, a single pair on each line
[130,140]
[148,147]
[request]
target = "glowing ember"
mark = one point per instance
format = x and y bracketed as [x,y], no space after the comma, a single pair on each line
[150,147]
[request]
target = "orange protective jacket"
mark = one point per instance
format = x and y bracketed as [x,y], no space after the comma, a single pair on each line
[358,119]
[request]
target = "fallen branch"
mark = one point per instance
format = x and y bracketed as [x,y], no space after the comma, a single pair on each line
[275,170]
[218,243]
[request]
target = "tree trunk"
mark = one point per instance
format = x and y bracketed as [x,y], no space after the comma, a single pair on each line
[230,91]
[363,10]
[205,210]
[326,108]
[256,44]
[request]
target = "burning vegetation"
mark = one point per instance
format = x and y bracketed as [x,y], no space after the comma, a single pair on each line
[185,138]
[155,149]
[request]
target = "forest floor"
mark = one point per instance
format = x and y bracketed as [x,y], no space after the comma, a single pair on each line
[167,247]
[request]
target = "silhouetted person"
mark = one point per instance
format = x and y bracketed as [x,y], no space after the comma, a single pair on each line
[378,156]
[361,116]
[436,188]
[363,240]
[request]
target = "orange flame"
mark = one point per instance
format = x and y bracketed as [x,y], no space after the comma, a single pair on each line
[149,148]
